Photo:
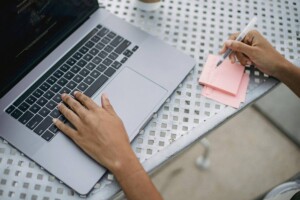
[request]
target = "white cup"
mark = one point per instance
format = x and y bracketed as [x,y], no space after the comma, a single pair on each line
[148,5]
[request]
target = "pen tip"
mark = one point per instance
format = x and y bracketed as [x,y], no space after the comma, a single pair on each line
[219,63]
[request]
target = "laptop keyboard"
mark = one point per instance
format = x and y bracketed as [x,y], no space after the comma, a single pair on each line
[86,67]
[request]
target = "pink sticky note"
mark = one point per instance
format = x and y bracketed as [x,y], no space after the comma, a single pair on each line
[225,98]
[227,77]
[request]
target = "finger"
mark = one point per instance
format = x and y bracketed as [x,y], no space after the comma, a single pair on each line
[74,105]
[69,114]
[231,37]
[85,100]
[242,58]
[106,104]
[65,128]
[239,47]
[232,57]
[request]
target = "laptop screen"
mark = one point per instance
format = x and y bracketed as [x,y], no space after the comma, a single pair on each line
[30,29]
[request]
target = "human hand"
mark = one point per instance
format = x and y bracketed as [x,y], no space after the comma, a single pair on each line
[255,49]
[98,130]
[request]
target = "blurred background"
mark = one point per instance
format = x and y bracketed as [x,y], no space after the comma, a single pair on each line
[250,154]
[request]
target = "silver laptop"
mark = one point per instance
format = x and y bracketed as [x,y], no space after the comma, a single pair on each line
[50,47]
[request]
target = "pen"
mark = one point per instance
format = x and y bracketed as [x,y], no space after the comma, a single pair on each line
[239,38]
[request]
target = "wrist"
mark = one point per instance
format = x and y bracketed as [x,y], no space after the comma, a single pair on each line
[284,69]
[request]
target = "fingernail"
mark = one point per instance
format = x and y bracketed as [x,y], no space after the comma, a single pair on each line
[63,94]
[249,62]
[54,120]
[58,105]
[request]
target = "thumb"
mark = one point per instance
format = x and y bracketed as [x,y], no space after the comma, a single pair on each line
[239,47]
[106,103]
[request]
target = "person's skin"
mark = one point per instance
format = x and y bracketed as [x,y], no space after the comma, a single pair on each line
[101,134]
[255,49]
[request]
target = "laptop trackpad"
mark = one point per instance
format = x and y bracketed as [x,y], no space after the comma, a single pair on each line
[134,98]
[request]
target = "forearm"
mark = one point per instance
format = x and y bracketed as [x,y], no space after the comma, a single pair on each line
[289,74]
[134,181]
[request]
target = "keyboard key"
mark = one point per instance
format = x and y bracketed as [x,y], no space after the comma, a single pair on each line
[77,56]
[57,98]
[71,85]
[116,65]
[51,105]
[116,41]
[88,80]
[38,93]
[109,72]
[101,68]
[42,101]
[34,108]
[90,66]
[48,136]
[64,67]
[99,26]
[58,74]
[107,62]
[71,61]
[44,112]
[97,60]
[111,35]
[83,50]
[122,47]
[75,69]
[96,85]
[88,57]
[113,56]
[81,63]
[64,90]
[78,78]
[127,53]
[25,117]
[30,100]
[53,129]
[16,113]
[42,127]
[10,109]
[44,87]
[108,48]
[95,39]
[102,54]
[89,44]
[62,81]
[84,72]
[48,95]
[82,87]
[55,88]
[135,48]
[23,107]
[69,75]
[55,113]
[105,40]
[51,80]
[103,32]
[123,60]
[100,46]
[94,51]
[95,74]
[34,122]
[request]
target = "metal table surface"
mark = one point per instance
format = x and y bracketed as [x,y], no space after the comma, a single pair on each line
[197,28]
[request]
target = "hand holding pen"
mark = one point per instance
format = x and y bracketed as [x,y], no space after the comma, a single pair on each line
[240,37]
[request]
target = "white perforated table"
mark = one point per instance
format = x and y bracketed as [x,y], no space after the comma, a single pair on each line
[197,28]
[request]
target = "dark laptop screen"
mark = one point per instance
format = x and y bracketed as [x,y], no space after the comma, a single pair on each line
[30,29]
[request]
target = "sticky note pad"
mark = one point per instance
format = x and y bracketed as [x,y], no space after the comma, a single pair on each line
[228,99]
[227,77]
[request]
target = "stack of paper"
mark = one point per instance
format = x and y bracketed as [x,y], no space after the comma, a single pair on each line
[226,84]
